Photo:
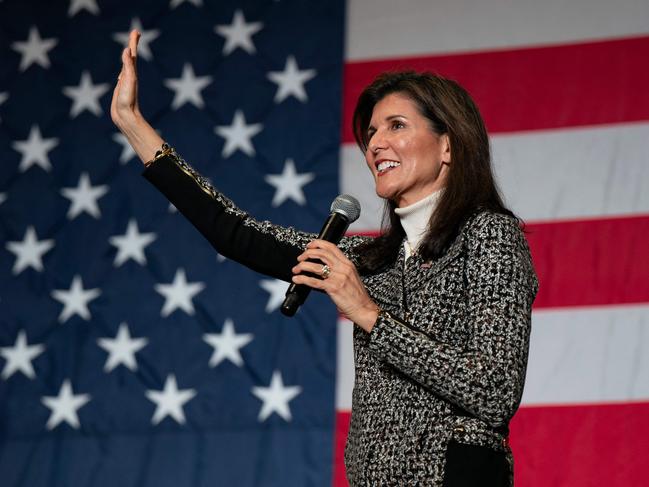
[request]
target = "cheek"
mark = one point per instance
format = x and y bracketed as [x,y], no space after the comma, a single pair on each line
[370,167]
[372,170]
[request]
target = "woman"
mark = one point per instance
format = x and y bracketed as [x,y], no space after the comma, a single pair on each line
[441,301]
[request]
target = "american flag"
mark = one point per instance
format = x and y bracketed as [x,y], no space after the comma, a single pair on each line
[130,352]
[180,375]
[562,86]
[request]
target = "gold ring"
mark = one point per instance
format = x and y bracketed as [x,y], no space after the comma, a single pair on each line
[325,271]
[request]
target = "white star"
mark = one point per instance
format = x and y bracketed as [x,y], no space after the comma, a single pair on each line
[179,294]
[238,33]
[127,151]
[86,95]
[64,406]
[131,244]
[277,290]
[276,397]
[289,184]
[3,98]
[122,349]
[188,88]
[196,3]
[34,49]
[75,300]
[170,401]
[84,197]
[227,344]
[29,252]
[77,5]
[238,135]
[20,356]
[290,82]
[147,36]
[34,150]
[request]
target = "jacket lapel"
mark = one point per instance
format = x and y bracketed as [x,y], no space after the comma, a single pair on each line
[419,272]
[386,287]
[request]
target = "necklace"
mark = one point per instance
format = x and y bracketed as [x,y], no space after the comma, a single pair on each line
[412,250]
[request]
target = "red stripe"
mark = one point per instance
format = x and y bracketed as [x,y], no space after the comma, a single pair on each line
[581,446]
[534,88]
[590,262]
[342,430]
[571,446]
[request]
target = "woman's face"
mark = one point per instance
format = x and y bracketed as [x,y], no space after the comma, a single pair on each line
[408,160]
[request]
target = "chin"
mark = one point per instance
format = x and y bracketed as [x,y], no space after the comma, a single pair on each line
[382,192]
[386,194]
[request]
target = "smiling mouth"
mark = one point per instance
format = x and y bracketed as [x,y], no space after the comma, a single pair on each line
[386,166]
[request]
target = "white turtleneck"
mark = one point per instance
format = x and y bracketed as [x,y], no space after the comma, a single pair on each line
[415,218]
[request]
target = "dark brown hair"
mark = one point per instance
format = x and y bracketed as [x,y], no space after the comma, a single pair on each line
[470,185]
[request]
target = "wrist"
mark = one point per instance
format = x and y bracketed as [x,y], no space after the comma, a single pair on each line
[130,121]
[368,316]
[141,136]
[163,151]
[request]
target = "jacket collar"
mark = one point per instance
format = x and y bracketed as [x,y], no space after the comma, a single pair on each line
[417,271]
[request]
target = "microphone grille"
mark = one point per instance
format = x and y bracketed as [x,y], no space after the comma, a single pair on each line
[348,206]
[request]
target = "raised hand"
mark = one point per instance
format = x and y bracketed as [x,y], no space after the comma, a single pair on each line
[124,107]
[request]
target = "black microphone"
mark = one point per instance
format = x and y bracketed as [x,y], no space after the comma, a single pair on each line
[345,209]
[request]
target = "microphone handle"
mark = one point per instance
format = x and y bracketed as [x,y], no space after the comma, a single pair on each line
[332,231]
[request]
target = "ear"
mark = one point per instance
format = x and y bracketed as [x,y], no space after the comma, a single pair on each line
[445,148]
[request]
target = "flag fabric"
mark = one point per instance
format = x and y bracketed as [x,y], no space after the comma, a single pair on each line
[563,90]
[131,353]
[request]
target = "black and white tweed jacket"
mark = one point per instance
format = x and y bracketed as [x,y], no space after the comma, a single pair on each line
[445,362]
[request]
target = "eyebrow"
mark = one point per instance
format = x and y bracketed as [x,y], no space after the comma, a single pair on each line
[392,117]
[387,119]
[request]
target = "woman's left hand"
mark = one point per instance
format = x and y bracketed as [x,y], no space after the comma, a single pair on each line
[343,284]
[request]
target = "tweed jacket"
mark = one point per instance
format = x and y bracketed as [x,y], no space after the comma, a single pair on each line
[445,362]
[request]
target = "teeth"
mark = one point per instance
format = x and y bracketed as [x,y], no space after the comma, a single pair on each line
[387,164]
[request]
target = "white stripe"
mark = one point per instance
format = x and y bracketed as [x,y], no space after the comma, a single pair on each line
[589,355]
[386,28]
[345,365]
[576,356]
[356,179]
[561,174]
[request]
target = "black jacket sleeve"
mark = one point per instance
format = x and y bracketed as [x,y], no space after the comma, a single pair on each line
[260,245]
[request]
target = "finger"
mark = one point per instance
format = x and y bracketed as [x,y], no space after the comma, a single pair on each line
[312,267]
[113,100]
[319,255]
[312,282]
[325,257]
[315,252]
[128,67]
[133,39]
[127,62]
[323,244]
[327,246]
[121,72]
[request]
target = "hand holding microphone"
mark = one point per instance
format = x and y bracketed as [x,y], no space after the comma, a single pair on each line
[345,209]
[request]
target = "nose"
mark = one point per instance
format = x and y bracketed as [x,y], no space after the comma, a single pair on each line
[376,143]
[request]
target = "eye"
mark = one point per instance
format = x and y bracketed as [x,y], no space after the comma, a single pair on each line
[397,124]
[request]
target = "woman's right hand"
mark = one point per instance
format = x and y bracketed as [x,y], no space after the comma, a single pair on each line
[124,107]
